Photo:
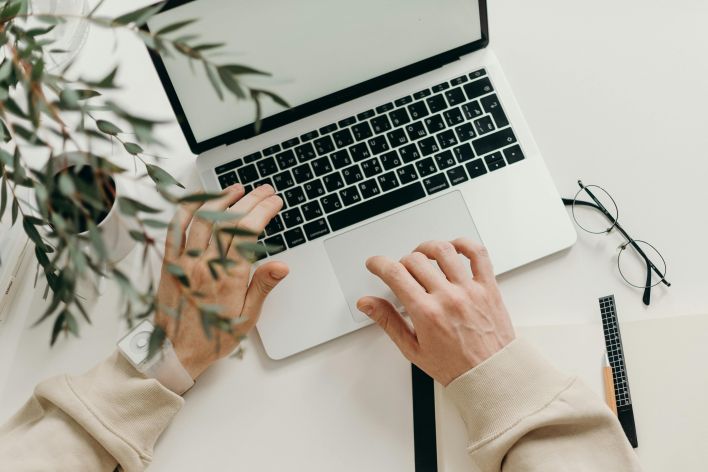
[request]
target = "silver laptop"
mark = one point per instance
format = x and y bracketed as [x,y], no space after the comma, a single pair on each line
[402,129]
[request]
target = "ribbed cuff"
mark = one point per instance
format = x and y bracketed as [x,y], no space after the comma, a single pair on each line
[509,386]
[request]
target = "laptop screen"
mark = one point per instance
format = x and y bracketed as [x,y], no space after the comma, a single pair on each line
[311,48]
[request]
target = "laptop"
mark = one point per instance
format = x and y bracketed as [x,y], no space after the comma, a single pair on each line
[402,128]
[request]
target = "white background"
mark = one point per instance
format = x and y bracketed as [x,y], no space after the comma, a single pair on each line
[615,94]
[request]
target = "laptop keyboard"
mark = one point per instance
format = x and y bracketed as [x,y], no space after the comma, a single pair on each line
[380,159]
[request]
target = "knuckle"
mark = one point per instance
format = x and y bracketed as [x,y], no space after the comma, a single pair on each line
[443,248]
[393,271]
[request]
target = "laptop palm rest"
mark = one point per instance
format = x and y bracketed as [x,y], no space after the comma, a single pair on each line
[444,218]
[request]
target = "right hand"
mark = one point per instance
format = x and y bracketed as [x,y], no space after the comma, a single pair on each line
[457,321]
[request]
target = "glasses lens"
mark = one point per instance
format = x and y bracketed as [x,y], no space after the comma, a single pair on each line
[633,265]
[600,216]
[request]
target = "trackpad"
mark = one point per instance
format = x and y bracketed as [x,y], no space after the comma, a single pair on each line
[444,218]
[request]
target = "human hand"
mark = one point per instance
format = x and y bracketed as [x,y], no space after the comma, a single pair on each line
[241,301]
[458,321]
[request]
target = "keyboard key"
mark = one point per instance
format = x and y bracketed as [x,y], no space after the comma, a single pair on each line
[416,130]
[434,124]
[436,183]
[294,196]
[384,108]
[311,210]
[369,188]
[454,117]
[513,154]
[464,153]
[228,166]
[378,145]
[478,73]
[247,174]
[460,80]
[455,96]
[387,181]
[457,175]
[266,152]
[447,139]
[445,160]
[266,181]
[292,218]
[494,141]
[276,242]
[333,182]
[472,110]
[418,110]
[302,173]
[478,88]
[331,203]
[376,206]
[484,125]
[476,168]
[359,152]
[362,131]
[422,94]
[340,159]
[399,117]
[397,137]
[492,106]
[407,174]
[347,122]
[441,87]
[352,174]
[286,159]
[295,237]
[365,115]
[314,189]
[283,181]
[409,153]
[428,146]
[321,166]
[227,180]
[495,161]
[343,138]
[403,101]
[465,132]
[390,160]
[328,129]
[316,229]
[305,152]
[248,189]
[350,196]
[267,166]
[290,143]
[380,124]
[436,103]
[324,145]
[371,167]
[426,167]
[275,226]
[309,136]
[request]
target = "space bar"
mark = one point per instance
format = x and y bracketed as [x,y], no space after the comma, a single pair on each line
[376,206]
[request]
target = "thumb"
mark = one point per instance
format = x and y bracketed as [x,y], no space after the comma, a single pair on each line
[265,279]
[392,322]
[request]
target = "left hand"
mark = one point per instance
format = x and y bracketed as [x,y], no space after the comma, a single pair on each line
[241,295]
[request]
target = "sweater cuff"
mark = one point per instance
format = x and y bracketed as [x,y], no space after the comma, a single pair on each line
[509,386]
[124,411]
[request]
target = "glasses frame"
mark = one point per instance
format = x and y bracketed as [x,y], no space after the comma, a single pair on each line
[614,224]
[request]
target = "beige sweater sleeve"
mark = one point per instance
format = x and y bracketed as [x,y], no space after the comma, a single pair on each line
[108,416]
[523,415]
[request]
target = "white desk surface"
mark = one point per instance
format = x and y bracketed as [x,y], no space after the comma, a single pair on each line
[614,93]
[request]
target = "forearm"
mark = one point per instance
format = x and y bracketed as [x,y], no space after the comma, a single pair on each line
[523,415]
[108,416]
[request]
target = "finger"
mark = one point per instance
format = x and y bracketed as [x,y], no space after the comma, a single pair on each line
[264,280]
[398,279]
[445,254]
[478,255]
[201,229]
[427,274]
[256,220]
[177,230]
[391,321]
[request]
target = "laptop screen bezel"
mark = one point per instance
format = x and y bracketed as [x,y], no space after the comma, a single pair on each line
[315,106]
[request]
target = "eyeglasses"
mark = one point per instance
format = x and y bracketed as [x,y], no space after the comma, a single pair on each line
[639,263]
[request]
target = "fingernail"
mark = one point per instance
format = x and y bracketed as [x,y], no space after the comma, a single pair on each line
[366,309]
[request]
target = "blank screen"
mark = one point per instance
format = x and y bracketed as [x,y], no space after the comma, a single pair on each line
[311,48]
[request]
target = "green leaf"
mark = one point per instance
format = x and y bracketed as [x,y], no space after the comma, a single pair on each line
[96,240]
[133,148]
[174,27]
[139,236]
[276,98]
[57,328]
[32,233]
[3,196]
[49,19]
[238,69]
[231,83]
[131,207]
[218,215]
[179,274]
[5,69]
[194,252]
[40,31]
[37,70]
[208,46]
[154,223]
[213,80]
[108,127]
[233,231]
[10,10]
[161,176]
[15,210]
[66,184]
[140,16]
[157,339]
[200,197]
[71,324]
